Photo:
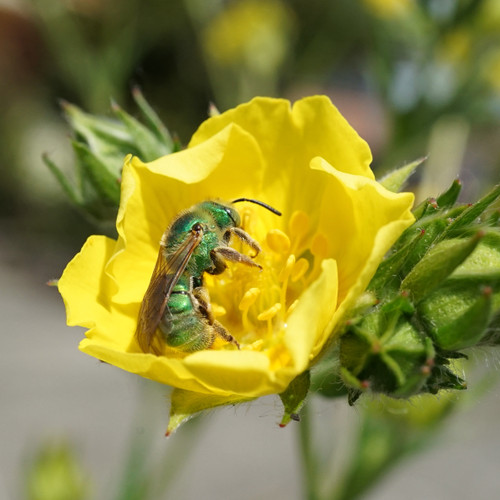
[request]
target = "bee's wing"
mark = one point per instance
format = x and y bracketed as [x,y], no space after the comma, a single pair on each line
[165,276]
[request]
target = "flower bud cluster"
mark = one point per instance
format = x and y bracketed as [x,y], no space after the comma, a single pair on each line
[100,144]
[436,294]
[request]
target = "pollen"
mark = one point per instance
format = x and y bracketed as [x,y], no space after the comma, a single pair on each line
[258,303]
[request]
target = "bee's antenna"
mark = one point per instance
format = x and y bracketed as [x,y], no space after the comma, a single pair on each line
[257,202]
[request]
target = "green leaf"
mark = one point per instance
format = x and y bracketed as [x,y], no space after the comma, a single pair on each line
[70,191]
[152,119]
[395,180]
[472,212]
[104,181]
[104,136]
[448,198]
[146,142]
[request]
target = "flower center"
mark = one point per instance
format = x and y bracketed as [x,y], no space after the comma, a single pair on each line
[254,305]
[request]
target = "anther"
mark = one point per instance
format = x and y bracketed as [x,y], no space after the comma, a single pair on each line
[319,246]
[269,313]
[278,241]
[299,269]
[218,310]
[286,271]
[246,302]
[249,298]
[298,225]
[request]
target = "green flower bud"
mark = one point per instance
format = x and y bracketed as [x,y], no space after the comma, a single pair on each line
[438,292]
[55,474]
[437,264]
[467,329]
[457,314]
[385,352]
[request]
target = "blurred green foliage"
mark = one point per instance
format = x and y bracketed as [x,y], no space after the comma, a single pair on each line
[56,474]
[413,77]
[395,69]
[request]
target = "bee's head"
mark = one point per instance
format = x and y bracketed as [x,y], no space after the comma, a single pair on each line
[224,215]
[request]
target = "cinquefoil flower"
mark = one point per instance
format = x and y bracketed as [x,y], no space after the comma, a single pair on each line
[337,224]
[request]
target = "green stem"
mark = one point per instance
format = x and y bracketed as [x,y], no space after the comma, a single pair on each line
[310,465]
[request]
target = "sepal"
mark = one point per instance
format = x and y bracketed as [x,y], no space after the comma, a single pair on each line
[100,145]
[294,396]
[395,180]
[184,405]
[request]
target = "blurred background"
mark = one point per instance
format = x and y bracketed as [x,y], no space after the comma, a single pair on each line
[414,78]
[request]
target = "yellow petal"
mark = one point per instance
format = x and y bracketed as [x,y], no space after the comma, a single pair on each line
[357,214]
[289,137]
[309,325]
[304,160]
[85,288]
[226,166]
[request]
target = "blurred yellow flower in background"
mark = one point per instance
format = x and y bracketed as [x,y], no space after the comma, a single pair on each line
[250,32]
[337,224]
[389,8]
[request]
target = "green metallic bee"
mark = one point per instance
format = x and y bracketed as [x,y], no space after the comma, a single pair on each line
[176,304]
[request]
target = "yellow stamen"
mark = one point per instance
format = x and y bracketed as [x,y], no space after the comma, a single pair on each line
[286,271]
[269,313]
[284,275]
[255,346]
[245,303]
[298,226]
[319,246]
[218,310]
[249,298]
[268,316]
[278,241]
[299,269]
[292,306]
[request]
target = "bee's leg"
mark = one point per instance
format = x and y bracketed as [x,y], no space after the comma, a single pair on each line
[224,334]
[219,265]
[203,302]
[246,238]
[220,254]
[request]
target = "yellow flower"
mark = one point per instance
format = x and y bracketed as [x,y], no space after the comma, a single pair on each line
[337,224]
[255,32]
[389,9]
